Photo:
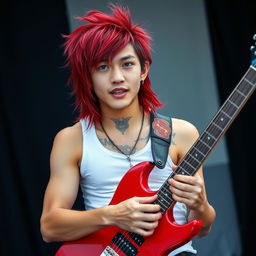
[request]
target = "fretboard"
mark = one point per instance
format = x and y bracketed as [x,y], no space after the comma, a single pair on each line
[211,135]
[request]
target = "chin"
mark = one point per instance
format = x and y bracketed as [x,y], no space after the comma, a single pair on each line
[120,104]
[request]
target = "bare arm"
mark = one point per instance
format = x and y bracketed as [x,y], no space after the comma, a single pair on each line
[60,223]
[190,190]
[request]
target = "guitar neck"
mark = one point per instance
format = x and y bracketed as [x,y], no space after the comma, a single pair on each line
[211,135]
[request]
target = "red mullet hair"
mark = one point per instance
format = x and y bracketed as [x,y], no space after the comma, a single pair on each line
[103,38]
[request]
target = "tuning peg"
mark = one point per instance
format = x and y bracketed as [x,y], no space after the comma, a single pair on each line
[254,37]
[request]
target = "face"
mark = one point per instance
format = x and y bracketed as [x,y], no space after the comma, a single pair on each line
[117,83]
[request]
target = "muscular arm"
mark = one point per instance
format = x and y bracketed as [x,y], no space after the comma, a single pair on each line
[190,190]
[60,223]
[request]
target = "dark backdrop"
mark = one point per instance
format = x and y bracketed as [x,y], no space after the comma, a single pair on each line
[232,25]
[35,104]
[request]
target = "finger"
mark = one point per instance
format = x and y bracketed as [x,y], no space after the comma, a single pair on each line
[188,202]
[184,194]
[143,232]
[146,200]
[150,217]
[181,186]
[188,179]
[174,167]
[147,225]
[149,208]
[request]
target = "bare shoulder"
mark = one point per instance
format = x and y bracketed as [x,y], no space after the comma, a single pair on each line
[184,127]
[67,145]
[184,135]
[71,134]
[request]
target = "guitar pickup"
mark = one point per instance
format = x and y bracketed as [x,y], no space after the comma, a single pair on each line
[138,239]
[124,244]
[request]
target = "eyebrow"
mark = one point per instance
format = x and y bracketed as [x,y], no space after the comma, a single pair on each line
[127,57]
[123,58]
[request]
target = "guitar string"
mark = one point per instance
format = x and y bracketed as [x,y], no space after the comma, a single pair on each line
[212,130]
[119,245]
[215,132]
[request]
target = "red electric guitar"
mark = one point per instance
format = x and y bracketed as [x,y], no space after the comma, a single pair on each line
[113,241]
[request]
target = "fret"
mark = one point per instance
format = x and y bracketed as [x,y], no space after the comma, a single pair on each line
[197,154]
[250,75]
[221,120]
[249,82]
[233,103]
[216,125]
[202,147]
[237,98]
[165,187]
[229,108]
[163,195]
[186,169]
[208,139]
[190,155]
[227,115]
[191,163]
[245,86]
[210,135]
[241,93]
[163,200]
[166,195]
[205,143]
[182,171]
[162,205]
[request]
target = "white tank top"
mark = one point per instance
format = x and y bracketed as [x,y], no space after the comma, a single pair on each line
[101,171]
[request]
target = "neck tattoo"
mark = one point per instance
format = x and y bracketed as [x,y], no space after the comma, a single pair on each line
[121,123]
[128,156]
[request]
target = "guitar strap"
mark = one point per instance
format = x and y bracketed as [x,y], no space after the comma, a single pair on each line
[161,134]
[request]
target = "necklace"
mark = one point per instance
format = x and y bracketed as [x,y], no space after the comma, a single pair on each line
[128,156]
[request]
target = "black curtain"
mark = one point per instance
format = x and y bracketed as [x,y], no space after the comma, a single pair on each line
[34,105]
[232,25]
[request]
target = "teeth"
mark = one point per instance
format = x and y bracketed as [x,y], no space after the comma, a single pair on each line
[116,92]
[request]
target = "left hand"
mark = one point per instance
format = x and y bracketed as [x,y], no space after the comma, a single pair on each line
[189,190]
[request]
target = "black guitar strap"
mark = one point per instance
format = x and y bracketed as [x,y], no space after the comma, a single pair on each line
[161,134]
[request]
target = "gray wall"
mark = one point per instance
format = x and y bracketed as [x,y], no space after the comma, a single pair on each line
[182,74]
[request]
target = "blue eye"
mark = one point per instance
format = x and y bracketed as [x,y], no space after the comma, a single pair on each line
[128,64]
[102,67]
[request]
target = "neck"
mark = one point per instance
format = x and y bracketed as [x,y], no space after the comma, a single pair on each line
[122,119]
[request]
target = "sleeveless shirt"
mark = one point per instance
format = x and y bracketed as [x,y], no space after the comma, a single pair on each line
[102,169]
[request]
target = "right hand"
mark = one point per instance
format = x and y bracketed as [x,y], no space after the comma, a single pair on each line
[137,214]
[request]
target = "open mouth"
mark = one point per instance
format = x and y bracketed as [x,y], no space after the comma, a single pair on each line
[118,91]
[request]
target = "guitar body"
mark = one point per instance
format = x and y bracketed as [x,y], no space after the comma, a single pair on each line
[167,236]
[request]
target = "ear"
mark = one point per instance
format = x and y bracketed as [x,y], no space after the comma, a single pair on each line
[145,71]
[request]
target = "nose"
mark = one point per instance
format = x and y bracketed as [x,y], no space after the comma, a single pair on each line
[117,76]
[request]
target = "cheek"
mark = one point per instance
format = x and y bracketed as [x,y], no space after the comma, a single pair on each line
[98,90]
[97,86]
[136,82]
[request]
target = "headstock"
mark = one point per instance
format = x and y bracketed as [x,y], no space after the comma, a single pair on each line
[253,52]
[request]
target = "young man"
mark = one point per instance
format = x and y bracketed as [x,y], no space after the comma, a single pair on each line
[109,60]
